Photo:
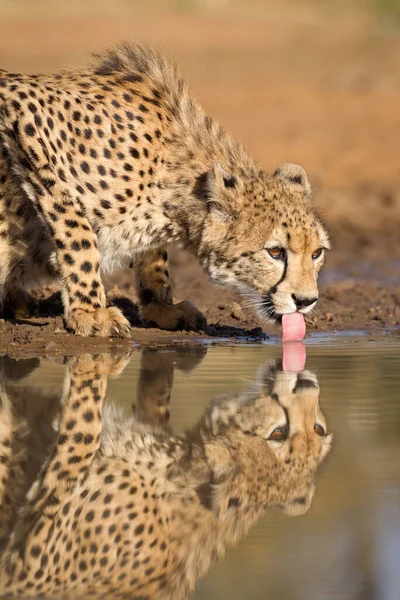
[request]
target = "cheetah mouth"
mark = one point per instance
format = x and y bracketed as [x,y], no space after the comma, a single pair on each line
[268,309]
[293,324]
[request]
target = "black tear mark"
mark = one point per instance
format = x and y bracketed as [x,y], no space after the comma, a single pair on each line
[274,288]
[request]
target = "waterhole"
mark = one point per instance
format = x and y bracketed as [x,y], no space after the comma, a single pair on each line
[223,447]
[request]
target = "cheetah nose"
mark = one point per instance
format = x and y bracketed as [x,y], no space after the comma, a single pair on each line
[303,302]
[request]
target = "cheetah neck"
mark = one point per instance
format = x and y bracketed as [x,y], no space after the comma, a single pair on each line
[202,491]
[211,503]
[197,146]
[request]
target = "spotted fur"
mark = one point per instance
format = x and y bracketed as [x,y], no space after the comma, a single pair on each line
[107,165]
[121,509]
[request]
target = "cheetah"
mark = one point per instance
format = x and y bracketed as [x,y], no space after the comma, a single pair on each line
[124,509]
[106,166]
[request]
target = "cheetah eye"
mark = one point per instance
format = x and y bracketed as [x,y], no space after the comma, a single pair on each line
[280,434]
[277,253]
[319,430]
[317,253]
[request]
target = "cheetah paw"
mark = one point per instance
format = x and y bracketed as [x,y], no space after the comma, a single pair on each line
[104,364]
[19,305]
[183,315]
[103,322]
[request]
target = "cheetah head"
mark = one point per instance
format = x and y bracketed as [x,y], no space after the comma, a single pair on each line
[266,445]
[262,236]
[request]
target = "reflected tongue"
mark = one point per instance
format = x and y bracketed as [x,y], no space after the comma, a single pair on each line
[294,357]
[293,327]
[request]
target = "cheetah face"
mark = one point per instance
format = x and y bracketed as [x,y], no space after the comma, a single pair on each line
[294,260]
[264,238]
[301,440]
[279,436]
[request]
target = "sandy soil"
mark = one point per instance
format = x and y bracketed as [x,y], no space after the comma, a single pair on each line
[300,85]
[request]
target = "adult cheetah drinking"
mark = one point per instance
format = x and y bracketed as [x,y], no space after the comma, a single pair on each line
[105,166]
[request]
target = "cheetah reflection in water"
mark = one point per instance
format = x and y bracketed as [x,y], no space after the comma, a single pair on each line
[122,508]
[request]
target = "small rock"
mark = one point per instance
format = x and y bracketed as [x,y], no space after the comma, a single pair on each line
[221,306]
[237,312]
[50,347]
[311,321]
[332,294]
[329,316]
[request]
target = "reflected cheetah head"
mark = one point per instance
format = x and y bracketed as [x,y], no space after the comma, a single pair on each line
[266,445]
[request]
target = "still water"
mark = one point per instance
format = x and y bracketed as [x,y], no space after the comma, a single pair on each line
[345,540]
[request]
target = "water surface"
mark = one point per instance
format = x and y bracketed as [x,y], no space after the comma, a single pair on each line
[347,545]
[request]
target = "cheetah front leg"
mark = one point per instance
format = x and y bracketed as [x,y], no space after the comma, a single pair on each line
[79,261]
[76,446]
[7,426]
[74,240]
[155,295]
[78,435]
[79,429]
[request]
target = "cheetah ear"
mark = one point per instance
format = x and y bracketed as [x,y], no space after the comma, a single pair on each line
[215,496]
[223,192]
[293,174]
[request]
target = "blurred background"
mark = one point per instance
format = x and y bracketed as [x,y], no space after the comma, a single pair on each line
[310,81]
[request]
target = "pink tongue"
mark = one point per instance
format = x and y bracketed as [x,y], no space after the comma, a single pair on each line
[294,357]
[293,327]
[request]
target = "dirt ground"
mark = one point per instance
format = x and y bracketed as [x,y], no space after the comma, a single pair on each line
[303,85]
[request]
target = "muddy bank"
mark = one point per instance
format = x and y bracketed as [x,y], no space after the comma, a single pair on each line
[47,337]
[345,305]
[359,291]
